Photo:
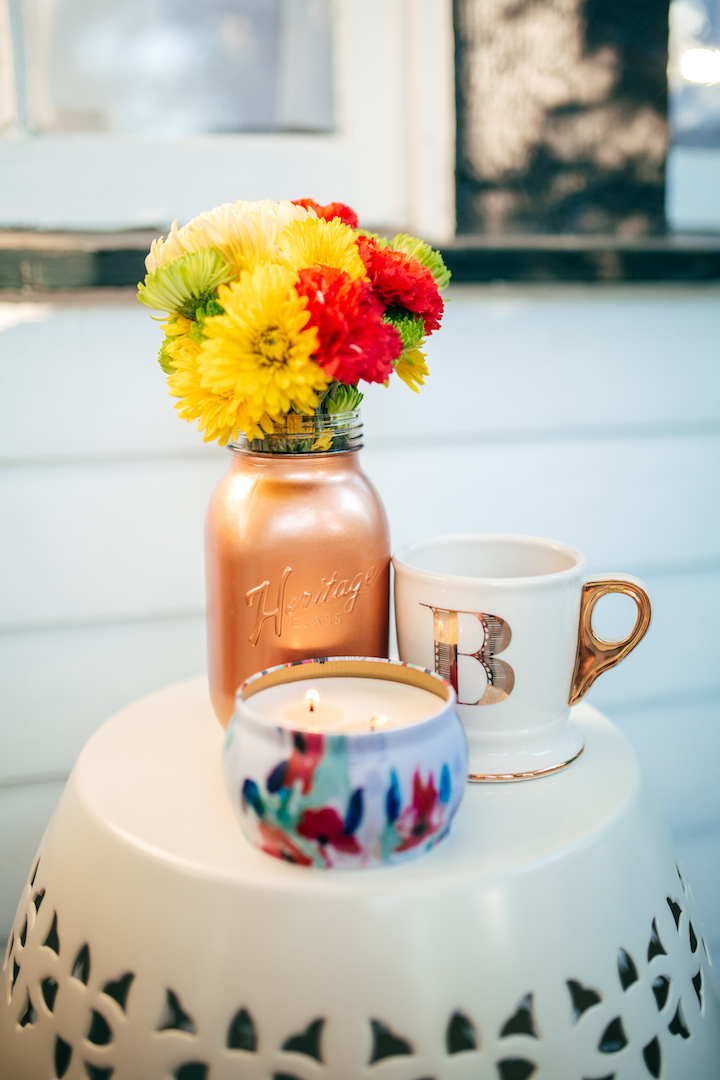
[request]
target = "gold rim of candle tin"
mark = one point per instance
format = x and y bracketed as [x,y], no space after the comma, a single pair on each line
[363,667]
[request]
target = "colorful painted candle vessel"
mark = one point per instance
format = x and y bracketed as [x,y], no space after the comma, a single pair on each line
[345,762]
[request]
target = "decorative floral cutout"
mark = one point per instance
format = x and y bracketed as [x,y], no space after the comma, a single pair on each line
[677,1025]
[307,1042]
[81,967]
[655,948]
[583,998]
[241,1033]
[661,990]
[95,1072]
[49,988]
[652,1057]
[515,1068]
[192,1070]
[697,983]
[626,969]
[29,1015]
[693,939]
[613,1038]
[100,1033]
[174,1017]
[63,1054]
[118,989]
[460,1034]
[676,911]
[386,1044]
[52,941]
[522,1021]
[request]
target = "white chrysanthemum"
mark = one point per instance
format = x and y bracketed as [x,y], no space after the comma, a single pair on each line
[244,232]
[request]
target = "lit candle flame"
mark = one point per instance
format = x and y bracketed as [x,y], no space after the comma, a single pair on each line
[312,697]
[377,721]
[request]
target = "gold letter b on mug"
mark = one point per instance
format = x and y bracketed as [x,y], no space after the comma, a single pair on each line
[496,637]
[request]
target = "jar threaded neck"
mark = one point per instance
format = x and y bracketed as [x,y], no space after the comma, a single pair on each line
[322,433]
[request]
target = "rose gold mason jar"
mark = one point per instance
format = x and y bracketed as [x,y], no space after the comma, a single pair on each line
[297,556]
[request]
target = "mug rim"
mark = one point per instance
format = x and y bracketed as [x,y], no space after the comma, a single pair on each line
[399,560]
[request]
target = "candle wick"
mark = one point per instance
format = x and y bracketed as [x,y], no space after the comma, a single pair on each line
[312,705]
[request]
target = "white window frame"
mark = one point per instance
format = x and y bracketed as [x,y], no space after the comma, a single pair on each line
[391,157]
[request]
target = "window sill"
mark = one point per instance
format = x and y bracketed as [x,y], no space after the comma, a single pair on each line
[54,260]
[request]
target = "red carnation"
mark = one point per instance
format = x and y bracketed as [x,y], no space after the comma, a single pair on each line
[332,210]
[354,342]
[401,281]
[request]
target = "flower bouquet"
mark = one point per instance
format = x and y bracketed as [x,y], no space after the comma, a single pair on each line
[278,310]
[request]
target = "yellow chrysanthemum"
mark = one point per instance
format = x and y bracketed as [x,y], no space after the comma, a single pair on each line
[255,363]
[244,232]
[412,369]
[316,242]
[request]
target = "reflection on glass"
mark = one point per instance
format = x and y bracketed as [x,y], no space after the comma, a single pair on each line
[177,67]
[694,72]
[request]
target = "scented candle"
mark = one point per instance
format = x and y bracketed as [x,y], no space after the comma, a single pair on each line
[345,761]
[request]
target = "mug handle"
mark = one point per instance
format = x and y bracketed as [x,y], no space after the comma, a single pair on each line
[593,654]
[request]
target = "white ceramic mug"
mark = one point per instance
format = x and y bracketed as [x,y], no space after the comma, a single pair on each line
[507,621]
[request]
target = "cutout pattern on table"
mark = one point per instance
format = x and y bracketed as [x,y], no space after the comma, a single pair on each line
[45,977]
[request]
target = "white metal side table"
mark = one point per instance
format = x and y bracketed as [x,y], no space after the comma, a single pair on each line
[551,935]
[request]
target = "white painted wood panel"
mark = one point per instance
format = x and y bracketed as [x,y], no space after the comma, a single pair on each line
[679,748]
[699,857]
[24,814]
[626,503]
[57,687]
[84,379]
[677,660]
[521,361]
[93,541]
[509,362]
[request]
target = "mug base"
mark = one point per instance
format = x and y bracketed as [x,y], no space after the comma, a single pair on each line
[504,778]
[507,759]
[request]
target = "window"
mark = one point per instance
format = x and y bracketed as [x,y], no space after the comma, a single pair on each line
[125,114]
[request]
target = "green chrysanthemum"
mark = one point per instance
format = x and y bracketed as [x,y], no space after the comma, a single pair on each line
[186,283]
[411,328]
[425,255]
[341,397]
[165,359]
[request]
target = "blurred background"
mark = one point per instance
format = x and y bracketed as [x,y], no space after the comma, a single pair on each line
[564,154]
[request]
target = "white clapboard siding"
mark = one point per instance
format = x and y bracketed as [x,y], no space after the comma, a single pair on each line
[625,502]
[108,539]
[24,814]
[102,540]
[58,686]
[521,362]
[591,415]
[679,746]
[48,720]
[508,361]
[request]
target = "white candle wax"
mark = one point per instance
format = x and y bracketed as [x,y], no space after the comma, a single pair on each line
[345,705]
